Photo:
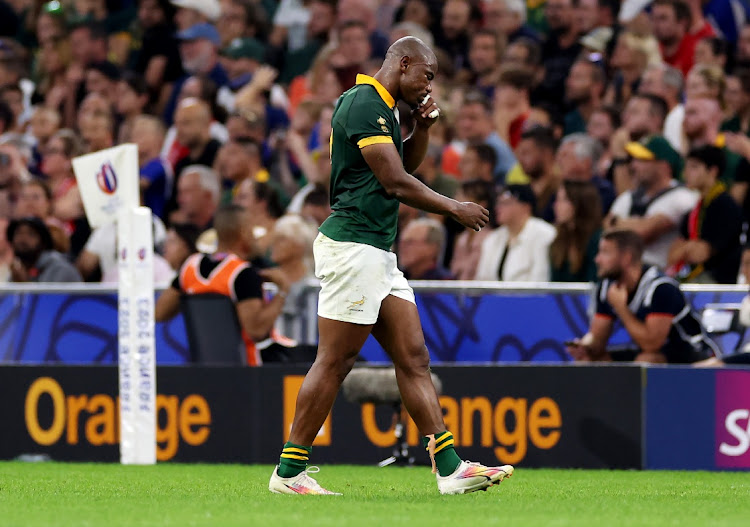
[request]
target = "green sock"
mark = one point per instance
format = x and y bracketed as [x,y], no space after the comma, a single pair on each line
[293,459]
[446,458]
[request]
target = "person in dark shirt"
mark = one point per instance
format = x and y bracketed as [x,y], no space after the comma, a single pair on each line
[709,248]
[560,50]
[649,304]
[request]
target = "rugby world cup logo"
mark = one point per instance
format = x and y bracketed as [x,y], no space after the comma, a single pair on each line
[106,178]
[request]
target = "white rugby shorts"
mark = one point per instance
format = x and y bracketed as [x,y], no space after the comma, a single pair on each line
[355,278]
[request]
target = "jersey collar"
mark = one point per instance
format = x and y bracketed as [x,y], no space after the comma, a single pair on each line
[384,94]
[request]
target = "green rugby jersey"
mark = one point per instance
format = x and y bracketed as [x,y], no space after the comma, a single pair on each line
[363,212]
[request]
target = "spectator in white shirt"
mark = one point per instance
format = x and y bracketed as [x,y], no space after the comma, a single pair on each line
[518,250]
[656,207]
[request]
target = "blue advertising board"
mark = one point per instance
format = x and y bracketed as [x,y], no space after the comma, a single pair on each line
[492,327]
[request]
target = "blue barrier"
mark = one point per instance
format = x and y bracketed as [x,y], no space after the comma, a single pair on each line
[501,323]
[697,419]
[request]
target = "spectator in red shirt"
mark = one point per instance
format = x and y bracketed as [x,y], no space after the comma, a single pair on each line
[674,29]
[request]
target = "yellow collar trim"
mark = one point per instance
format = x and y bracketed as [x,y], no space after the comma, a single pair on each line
[384,94]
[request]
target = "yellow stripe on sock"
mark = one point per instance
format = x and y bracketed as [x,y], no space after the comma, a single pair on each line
[444,445]
[445,438]
[292,450]
[294,456]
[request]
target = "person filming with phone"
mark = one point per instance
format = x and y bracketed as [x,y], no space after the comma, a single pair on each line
[660,321]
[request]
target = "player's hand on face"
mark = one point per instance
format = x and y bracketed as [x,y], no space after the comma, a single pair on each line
[422,112]
[471,215]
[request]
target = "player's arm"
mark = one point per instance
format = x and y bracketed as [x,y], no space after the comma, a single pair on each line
[385,162]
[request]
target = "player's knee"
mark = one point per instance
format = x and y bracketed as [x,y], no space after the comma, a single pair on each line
[417,360]
[337,366]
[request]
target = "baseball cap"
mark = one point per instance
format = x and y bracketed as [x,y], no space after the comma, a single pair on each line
[656,148]
[203,30]
[247,48]
[522,193]
[211,9]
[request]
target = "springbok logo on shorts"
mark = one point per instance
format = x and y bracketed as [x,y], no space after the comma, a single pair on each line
[106,178]
[354,306]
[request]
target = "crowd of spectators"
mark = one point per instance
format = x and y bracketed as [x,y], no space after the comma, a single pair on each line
[564,118]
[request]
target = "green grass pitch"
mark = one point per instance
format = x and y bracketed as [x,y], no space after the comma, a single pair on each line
[59,494]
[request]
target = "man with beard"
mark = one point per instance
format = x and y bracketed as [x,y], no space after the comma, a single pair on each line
[199,52]
[485,52]
[584,88]
[536,155]
[560,50]
[655,208]
[649,304]
[35,261]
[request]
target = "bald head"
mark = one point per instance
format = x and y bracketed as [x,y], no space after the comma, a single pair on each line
[229,222]
[192,122]
[413,48]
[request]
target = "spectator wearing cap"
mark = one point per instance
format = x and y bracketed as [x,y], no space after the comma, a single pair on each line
[241,59]
[191,12]
[708,249]
[584,89]
[518,250]
[655,208]
[578,158]
[130,101]
[156,174]
[199,52]
[701,127]
[35,260]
